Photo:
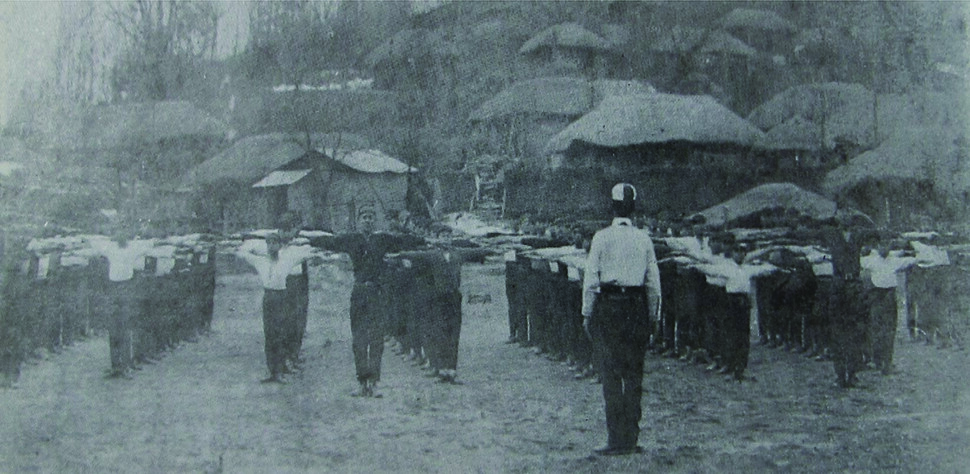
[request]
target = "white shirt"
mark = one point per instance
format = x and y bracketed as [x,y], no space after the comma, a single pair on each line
[122,261]
[272,273]
[620,255]
[882,270]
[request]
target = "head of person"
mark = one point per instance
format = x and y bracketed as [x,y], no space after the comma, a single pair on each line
[624,197]
[289,224]
[274,242]
[122,234]
[366,219]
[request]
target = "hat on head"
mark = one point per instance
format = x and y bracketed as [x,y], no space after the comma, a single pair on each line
[624,196]
[624,192]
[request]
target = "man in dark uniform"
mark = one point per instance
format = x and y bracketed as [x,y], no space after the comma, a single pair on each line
[298,287]
[621,299]
[849,315]
[367,249]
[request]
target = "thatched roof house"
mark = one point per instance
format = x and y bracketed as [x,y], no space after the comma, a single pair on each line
[565,96]
[762,29]
[922,154]
[248,159]
[566,36]
[794,134]
[754,19]
[720,42]
[674,39]
[656,118]
[409,44]
[259,178]
[777,198]
[106,127]
[922,172]
[844,110]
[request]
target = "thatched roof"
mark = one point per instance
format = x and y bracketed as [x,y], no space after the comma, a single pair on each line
[823,37]
[656,118]
[845,109]
[723,43]
[766,197]
[107,127]
[248,159]
[675,39]
[753,19]
[812,101]
[920,154]
[796,133]
[253,158]
[411,43]
[616,34]
[116,126]
[370,161]
[566,35]
[566,96]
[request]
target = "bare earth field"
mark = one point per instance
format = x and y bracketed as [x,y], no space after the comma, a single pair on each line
[201,407]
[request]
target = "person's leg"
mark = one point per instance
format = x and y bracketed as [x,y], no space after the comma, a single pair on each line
[358,328]
[274,302]
[638,336]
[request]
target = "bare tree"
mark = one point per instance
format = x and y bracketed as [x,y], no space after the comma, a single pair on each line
[164,41]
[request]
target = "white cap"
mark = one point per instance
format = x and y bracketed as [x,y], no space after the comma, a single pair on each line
[619,192]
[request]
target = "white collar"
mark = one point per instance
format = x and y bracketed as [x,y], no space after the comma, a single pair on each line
[622,221]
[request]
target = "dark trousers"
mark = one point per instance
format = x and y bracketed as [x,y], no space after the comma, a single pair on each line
[367,329]
[737,327]
[122,309]
[621,330]
[445,312]
[297,288]
[514,293]
[882,329]
[275,309]
[849,326]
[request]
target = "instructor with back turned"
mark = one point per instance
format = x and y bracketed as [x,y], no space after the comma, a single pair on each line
[621,299]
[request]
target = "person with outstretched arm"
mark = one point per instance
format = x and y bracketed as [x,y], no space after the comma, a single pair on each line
[367,249]
[273,266]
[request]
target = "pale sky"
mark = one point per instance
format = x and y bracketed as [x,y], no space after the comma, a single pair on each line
[28,38]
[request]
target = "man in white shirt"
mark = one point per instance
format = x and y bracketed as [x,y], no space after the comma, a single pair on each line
[621,299]
[273,267]
[124,257]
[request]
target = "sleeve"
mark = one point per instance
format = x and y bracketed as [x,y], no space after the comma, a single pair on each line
[333,243]
[652,282]
[591,276]
[250,258]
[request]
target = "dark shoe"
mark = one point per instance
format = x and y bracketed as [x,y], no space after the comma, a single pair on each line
[272,379]
[613,451]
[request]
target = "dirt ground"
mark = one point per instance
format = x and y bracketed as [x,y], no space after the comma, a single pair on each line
[201,408]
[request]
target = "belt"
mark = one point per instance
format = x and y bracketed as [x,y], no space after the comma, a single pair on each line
[617,290]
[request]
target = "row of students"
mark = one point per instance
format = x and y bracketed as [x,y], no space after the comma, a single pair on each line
[415,297]
[149,295]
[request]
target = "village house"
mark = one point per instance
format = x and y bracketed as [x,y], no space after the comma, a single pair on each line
[251,184]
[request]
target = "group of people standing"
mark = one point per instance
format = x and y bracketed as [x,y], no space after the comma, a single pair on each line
[629,306]
[402,288]
[149,294]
